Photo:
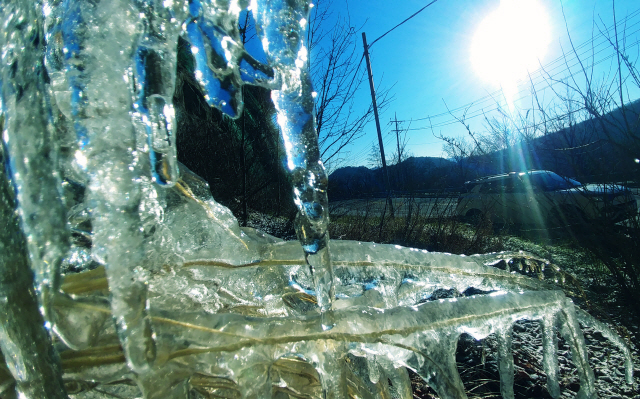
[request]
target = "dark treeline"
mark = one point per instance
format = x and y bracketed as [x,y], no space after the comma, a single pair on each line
[241,158]
[415,174]
[598,149]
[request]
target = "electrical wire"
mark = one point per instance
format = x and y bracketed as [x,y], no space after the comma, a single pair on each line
[542,75]
[390,30]
[476,113]
[547,68]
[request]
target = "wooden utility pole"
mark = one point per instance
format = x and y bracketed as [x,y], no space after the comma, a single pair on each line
[399,166]
[398,138]
[375,113]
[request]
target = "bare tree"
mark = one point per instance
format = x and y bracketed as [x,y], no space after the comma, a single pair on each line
[373,158]
[337,72]
[590,127]
[608,119]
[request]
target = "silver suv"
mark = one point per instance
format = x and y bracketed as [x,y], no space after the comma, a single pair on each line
[543,198]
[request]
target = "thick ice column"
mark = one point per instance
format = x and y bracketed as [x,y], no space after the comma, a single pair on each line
[98,62]
[30,145]
[23,339]
[284,32]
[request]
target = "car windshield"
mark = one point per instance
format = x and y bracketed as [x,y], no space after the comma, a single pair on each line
[549,181]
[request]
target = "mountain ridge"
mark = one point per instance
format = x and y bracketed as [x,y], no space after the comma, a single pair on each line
[603,149]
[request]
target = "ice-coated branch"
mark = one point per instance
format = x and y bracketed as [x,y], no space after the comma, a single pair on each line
[166,289]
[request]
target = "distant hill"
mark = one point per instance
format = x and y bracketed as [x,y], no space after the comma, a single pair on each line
[595,150]
[602,149]
[353,182]
[414,173]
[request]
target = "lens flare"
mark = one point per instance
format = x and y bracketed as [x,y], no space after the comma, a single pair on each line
[510,42]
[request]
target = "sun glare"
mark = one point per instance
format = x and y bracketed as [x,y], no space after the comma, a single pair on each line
[509,42]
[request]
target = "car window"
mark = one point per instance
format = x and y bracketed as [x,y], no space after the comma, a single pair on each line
[511,184]
[515,185]
[551,182]
[492,187]
[532,185]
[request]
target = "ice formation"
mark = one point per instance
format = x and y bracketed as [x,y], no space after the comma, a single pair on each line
[175,300]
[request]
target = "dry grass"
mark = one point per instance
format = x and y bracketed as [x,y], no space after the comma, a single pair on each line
[420,227]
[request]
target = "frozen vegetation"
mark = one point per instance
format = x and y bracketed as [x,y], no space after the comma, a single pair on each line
[163,295]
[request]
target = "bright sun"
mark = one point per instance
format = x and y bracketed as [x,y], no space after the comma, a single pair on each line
[509,42]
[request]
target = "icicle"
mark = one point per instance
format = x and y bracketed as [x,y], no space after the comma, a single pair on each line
[284,34]
[222,65]
[570,330]
[372,366]
[31,148]
[359,383]
[550,352]
[24,341]
[505,360]
[587,320]
[162,148]
[227,99]
[155,66]
[362,388]
[158,119]
[399,377]
[436,364]
[107,144]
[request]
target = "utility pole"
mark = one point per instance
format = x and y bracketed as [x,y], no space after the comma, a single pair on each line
[375,113]
[397,136]
[399,167]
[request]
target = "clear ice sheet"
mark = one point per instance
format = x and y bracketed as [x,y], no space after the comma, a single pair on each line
[231,319]
[174,299]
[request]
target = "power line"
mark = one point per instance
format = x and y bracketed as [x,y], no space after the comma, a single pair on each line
[390,30]
[548,68]
[546,74]
[480,112]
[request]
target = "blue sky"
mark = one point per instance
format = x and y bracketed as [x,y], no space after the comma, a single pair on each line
[427,61]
